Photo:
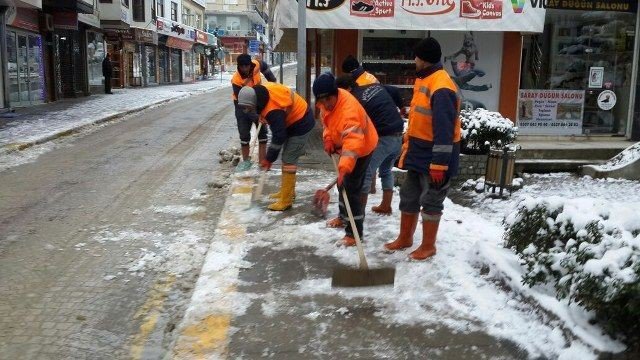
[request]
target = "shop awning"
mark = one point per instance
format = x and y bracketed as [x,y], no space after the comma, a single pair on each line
[462,15]
[176,43]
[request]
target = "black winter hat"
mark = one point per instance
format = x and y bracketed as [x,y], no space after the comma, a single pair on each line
[244,59]
[428,49]
[349,64]
[262,97]
[324,85]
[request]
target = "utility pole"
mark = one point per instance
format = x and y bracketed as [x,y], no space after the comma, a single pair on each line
[301,76]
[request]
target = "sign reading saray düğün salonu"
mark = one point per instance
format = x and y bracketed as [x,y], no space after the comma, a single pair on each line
[465,15]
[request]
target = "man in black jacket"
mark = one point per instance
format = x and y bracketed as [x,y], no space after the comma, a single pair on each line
[107,70]
[381,102]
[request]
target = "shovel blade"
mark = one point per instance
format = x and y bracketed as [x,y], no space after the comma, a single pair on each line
[321,203]
[348,277]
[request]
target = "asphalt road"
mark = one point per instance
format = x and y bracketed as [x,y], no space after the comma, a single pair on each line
[89,231]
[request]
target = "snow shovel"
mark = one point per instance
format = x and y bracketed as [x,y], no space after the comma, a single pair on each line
[321,200]
[363,276]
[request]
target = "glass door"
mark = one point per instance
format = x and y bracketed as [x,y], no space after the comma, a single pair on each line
[35,70]
[24,67]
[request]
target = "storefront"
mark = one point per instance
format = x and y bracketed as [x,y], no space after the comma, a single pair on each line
[146,44]
[199,49]
[95,50]
[175,58]
[577,77]
[25,65]
[517,60]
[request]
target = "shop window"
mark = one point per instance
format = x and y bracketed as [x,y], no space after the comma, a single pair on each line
[160,8]
[138,10]
[174,11]
[233,23]
[579,52]
[95,55]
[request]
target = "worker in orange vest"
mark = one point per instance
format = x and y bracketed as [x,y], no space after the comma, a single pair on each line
[290,120]
[351,66]
[349,132]
[248,74]
[430,150]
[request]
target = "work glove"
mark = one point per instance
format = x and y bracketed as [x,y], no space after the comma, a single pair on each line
[265,164]
[437,177]
[329,147]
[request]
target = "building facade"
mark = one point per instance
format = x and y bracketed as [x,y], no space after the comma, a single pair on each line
[570,69]
[240,26]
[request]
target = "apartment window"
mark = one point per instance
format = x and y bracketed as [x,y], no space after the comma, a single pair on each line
[231,2]
[233,23]
[186,16]
[199,21]
[160,8]
[174,11]
[138,10]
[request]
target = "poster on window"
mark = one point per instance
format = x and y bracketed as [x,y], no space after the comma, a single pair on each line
[473,59]
[550,112]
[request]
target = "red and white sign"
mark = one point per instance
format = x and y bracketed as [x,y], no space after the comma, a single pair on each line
[480,15]
[481,9]
[372,8]
[202,37]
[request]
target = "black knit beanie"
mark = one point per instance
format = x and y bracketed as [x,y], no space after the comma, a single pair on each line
[244,59]
[428,49]
[349,64]
[324,85]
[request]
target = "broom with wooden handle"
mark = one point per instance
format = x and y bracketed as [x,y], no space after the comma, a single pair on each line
[363,276]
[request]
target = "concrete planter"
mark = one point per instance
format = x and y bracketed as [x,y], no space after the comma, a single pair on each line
[471,167]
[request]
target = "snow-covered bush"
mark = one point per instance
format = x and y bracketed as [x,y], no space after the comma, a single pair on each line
[483,129]
[588,250]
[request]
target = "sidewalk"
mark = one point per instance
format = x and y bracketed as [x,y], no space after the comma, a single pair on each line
[39,124]
[264,290]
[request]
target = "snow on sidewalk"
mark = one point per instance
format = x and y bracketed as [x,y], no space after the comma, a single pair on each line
[38,126]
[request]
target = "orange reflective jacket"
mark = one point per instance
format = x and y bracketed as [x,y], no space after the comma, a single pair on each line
[283,98]
[432,140]
[366,78]
[252,80]
[350,129]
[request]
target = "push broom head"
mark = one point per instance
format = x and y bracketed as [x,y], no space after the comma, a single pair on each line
[349,277]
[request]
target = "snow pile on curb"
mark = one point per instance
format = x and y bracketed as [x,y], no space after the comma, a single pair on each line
[626,157]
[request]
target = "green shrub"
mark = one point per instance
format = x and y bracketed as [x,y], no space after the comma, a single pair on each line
[589,254]
[483,129]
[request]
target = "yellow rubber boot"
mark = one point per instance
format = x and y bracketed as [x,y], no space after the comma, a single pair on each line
[278,195]
[287,191]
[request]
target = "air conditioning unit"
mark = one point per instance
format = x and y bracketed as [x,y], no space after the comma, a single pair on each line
[46,22]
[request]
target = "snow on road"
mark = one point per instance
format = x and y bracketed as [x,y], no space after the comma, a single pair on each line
[35,127]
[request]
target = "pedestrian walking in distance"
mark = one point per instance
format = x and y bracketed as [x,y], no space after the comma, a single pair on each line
[430,150]
[382,109]
[107,71]
[349,132]
[248,74]
[290,120]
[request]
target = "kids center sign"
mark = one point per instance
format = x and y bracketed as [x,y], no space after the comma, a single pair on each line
[465,15]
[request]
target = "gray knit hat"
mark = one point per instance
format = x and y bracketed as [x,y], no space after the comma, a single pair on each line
[247,96]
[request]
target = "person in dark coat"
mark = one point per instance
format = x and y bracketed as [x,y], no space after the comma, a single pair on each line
[107,71]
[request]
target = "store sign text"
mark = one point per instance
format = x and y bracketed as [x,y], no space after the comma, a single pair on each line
[372,8]
[428,7]
[546,112]
[324,4]
[588,5]
[481,9]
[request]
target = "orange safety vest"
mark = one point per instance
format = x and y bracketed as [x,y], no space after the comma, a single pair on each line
[366,78]
[252,80]
[281,97]
[350,129]
[420,127]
